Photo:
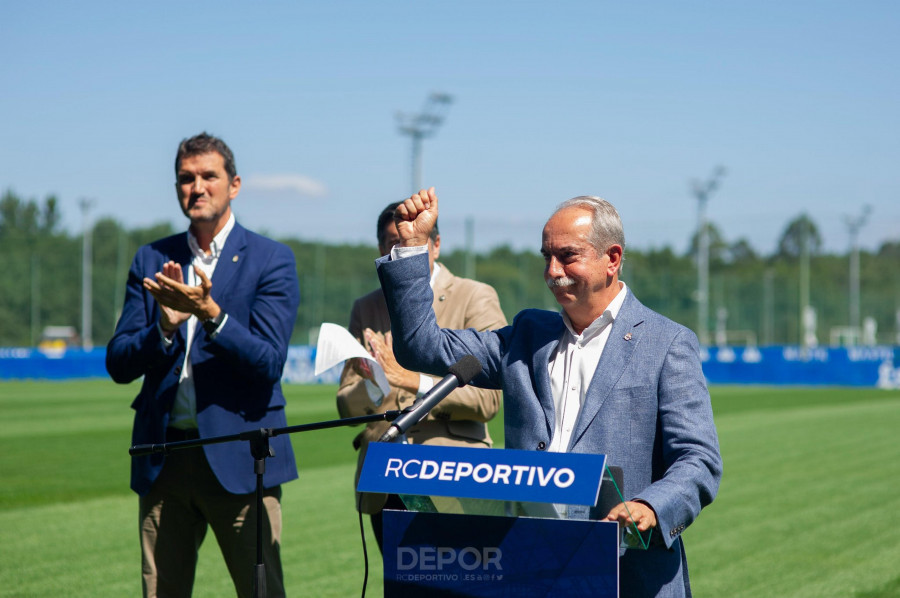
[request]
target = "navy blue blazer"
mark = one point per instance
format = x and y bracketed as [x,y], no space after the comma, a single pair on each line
[647,407]
[237,375]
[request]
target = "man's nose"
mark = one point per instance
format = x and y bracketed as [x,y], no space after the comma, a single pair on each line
[554,268]
[197,187]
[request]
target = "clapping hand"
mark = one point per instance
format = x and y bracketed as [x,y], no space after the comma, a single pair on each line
[382,349]
[178,301]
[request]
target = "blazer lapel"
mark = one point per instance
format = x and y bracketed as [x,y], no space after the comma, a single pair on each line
[623,338]
[443,287]
[233,254]
[546,341]
[181,252]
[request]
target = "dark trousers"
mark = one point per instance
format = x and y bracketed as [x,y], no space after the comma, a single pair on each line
[393,503]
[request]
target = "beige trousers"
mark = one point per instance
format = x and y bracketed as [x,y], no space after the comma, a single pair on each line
[184,500]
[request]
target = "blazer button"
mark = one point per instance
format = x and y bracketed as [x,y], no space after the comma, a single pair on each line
[541,445]
[178,371]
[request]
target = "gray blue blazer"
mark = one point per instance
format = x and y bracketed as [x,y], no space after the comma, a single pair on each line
[647,407]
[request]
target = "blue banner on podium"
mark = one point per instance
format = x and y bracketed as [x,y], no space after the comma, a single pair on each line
[441,555]
[512,475]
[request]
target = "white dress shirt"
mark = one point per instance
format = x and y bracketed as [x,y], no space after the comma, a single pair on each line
[572,367]
[184,411]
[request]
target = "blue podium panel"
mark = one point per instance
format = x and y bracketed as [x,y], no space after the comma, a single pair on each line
[441,555]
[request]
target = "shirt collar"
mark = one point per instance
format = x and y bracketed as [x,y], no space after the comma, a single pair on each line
[218,242]
[434,274]
[607,317]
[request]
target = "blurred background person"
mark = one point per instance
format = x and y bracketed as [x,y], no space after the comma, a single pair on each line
[460,419]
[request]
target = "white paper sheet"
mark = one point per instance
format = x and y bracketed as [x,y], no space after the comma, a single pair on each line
[336,344]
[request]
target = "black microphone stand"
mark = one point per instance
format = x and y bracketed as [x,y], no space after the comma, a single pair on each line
[260,449]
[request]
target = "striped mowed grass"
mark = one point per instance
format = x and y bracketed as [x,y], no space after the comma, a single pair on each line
[806,508]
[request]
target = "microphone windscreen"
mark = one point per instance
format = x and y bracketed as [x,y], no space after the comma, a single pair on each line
[465,369]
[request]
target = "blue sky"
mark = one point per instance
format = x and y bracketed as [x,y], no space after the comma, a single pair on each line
[798,100]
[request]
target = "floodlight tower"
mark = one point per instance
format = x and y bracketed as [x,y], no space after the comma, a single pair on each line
[86,273]
[703,190]
[421,126]
[853,226]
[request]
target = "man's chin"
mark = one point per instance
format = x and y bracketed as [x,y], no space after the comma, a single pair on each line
[199,216]
[561,295]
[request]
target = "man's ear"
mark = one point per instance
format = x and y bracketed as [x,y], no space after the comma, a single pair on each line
[615,258]
[235,187]
[436,248]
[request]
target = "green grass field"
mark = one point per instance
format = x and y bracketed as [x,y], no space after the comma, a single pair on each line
[807,506]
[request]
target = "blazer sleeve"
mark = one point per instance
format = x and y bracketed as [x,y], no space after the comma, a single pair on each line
[136,347]
[258,345]
[691,460]
[482,312]
[419,343]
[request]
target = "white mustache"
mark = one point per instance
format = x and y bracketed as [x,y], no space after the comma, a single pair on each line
[565,281]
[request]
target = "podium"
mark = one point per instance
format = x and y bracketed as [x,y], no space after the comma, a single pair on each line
[497,523]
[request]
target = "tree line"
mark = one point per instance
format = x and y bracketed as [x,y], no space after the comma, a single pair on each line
[756,297]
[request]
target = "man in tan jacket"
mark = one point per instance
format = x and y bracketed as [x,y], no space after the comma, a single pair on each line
[460,419]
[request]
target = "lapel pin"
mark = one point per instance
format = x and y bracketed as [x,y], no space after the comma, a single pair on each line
[627,337]
[234,259]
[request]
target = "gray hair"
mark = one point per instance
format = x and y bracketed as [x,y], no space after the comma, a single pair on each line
[606,226]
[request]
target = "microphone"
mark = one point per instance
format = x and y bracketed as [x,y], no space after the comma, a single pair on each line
[458,374]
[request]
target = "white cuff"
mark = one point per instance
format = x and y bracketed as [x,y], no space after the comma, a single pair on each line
[426,383]
[375,394]
[398,253]
[218,329]
[167,342]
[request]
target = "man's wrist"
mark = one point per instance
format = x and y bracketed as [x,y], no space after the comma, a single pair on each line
[167,338]
[413,242]
[212,325]
[208,312]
